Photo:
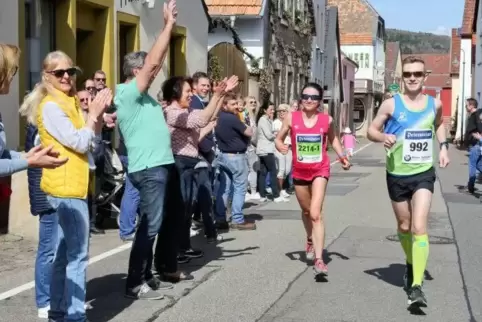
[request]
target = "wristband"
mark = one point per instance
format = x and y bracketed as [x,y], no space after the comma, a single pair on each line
[343,158]
[444,143]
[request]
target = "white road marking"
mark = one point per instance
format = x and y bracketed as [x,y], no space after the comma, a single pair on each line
[360,149]
[27,286]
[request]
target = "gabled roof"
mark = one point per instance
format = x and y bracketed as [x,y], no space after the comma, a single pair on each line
[392,52]
[234,7]
[468,18]
[206,12]
[356,39]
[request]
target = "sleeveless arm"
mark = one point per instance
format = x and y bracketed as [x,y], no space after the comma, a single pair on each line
[375,133]
[334,140]
[283,132]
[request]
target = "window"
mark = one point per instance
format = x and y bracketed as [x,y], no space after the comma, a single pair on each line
[367,61]
[358,113]
[344,71]
[361,60]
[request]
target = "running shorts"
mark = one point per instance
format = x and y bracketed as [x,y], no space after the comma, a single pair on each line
[402,188]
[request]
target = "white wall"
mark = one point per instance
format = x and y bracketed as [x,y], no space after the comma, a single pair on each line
[251,33]
[379,65]
[365,70]
[465,82]
[191,16]
[9,103]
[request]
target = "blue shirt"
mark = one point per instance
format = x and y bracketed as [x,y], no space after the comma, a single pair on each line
[230,134]
[207,143]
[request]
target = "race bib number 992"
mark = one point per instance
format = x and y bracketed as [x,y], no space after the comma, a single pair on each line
[418,146]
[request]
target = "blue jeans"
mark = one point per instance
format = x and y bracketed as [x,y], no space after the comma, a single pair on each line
[151,183]
[47,245]
[129,205]
[475,164]
[232,177]
[67,288]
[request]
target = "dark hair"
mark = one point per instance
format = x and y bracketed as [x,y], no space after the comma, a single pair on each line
[84,83]
[172,88]
[315,86]
[198,75]
[262,110]
[229,97]
[472,102]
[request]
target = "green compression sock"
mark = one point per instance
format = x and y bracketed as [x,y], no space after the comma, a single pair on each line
[420,250]
[406,241]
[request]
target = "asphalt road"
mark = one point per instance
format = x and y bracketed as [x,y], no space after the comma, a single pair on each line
[262,276]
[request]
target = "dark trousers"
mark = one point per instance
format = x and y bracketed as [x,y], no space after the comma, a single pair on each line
[193,183]
[152,184]
[267,165]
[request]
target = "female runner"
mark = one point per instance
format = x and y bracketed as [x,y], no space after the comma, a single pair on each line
[310,130]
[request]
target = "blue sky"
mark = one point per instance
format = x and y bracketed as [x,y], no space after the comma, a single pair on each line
[437,16]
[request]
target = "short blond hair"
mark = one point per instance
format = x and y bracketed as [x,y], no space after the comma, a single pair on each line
[9,58]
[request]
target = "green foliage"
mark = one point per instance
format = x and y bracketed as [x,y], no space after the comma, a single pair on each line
[419,42]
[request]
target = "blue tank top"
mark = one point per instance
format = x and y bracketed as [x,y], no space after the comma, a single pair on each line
[415,132]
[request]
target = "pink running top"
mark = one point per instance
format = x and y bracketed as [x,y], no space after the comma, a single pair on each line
[310,159]
[349,141]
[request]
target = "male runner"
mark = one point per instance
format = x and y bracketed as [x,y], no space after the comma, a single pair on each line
[410,121]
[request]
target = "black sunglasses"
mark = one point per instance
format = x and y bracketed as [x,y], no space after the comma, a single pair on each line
[90,88]
[61,72]
[414,74]
[82,100]
[100,79]
[313,97]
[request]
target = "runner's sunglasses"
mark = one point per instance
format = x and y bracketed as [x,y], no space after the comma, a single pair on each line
[414,74]
[313,97]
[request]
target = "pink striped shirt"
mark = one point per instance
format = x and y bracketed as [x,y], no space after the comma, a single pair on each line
[185,126]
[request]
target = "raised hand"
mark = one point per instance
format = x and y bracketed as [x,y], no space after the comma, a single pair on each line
[170,12]
[232,83]
[220,87]
[102,100]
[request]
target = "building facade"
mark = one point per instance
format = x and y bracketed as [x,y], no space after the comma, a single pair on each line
[333,83]
[393,65]
[349,69]
[454,78]
[96,34]
[266,43]
[317,51]
[363,40]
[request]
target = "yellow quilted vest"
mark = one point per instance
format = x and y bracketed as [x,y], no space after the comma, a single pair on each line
[72,179]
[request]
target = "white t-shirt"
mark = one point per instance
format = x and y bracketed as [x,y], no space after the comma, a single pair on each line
[277,124]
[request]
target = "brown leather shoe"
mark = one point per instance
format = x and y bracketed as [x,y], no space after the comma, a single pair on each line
[243,226]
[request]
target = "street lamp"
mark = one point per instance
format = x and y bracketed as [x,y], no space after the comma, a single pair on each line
[462,98]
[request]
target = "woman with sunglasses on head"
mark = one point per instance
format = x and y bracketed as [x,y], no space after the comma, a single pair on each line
[12,161]
[251,107]
[55,108]
[310,131]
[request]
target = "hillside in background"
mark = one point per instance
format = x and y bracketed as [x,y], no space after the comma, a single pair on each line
[419,42]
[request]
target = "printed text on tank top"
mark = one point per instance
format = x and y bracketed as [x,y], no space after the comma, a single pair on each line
[417,143]
[309,146]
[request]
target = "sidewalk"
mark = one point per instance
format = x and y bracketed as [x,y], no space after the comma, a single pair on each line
[260,276]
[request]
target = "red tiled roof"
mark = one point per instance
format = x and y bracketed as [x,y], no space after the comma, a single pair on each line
[356,39]
[392,51]
[455,52]
[468,18]
[234,7]
[439,66]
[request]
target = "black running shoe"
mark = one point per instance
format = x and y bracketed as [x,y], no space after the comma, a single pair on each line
[408,277]
[416,297]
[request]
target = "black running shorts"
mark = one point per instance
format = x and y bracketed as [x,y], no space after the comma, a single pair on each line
[402,188]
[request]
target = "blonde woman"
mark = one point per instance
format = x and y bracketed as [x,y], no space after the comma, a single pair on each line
[251,106]
[12,161]
[283,161]
[54,107]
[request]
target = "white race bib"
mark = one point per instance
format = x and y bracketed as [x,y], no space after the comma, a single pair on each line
[418,146]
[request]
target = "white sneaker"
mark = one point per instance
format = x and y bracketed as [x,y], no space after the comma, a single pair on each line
[263,199]
[43,313]
[268,190]
[247,197]
[255,196]
[280,199]
[283,193]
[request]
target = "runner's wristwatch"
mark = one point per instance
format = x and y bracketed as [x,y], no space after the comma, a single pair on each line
[444,143]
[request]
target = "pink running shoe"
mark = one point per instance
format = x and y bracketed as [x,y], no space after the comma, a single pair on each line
[310,251]
[320,267]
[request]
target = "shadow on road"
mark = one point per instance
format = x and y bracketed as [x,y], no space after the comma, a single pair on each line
[106,296]
[393,274]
